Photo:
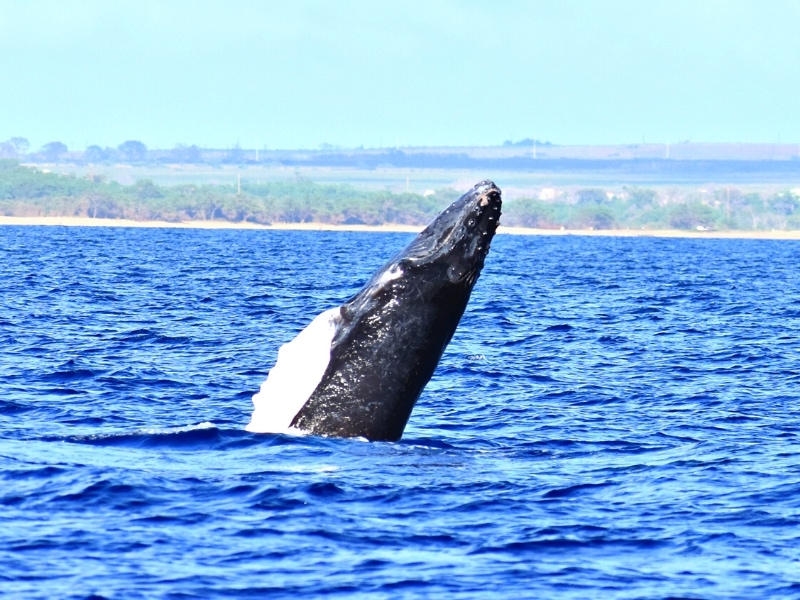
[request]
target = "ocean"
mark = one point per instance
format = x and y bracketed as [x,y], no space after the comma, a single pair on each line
[615,418]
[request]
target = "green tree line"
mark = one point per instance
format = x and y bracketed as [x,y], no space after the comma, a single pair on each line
[28,192]
[640,208]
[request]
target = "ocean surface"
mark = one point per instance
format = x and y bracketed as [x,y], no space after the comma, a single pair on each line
[614,418]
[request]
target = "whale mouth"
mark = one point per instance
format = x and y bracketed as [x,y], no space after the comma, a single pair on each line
[460,236]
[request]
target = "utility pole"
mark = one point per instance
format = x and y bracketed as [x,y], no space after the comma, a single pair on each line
[728,203]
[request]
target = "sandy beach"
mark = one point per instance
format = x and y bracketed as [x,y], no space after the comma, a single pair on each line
[672,233]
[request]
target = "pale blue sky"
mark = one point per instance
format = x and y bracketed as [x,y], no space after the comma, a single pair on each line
[290,74]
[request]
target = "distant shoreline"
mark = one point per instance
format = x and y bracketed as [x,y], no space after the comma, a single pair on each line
[671,233]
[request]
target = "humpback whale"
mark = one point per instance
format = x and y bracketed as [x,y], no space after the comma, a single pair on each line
[358,369]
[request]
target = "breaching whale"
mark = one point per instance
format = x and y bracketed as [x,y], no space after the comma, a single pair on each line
[358,369]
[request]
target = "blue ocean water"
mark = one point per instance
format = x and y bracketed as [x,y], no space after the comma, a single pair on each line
[615,418]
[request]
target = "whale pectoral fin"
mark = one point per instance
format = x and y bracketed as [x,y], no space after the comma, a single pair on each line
[300,367]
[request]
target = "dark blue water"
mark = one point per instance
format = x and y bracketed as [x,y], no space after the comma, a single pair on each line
[615,418]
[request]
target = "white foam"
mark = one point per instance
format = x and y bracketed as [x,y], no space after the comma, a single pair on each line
[299,369]
[171,430]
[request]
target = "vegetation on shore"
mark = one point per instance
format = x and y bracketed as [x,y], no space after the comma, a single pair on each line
[28,192]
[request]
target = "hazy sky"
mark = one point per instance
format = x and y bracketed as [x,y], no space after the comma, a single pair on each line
[294,73]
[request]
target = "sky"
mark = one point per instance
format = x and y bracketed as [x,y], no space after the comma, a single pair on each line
[350,73]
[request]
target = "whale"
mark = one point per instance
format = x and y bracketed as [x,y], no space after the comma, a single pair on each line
[357,370]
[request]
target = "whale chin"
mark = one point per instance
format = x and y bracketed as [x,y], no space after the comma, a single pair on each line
[357,370]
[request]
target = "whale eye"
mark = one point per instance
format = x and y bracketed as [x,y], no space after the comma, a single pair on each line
[455,273]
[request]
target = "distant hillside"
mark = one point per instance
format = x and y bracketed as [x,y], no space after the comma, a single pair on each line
[678,162]
[683,162]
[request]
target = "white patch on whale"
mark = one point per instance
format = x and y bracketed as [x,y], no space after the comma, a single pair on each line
[297,372]
[388,276]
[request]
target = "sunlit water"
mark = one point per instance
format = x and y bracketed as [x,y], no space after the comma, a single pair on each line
[614,418]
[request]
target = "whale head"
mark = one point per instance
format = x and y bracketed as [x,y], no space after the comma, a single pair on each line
[459,237]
